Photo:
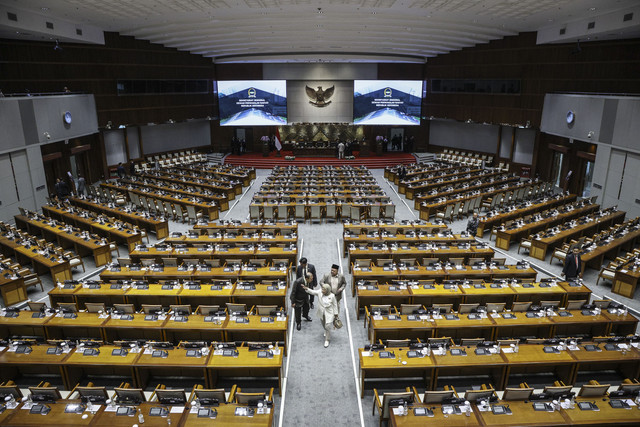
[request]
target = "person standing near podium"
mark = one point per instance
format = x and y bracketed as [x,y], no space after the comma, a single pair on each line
[341,150]
[572,265]
[302,271]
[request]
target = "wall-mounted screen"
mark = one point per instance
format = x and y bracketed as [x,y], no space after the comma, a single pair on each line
[252,102]
[387,102]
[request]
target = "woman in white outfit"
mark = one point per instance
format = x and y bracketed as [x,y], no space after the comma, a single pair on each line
[327,309]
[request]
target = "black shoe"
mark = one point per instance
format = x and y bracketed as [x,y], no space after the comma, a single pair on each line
[310,305]
[298,326]
[308,319]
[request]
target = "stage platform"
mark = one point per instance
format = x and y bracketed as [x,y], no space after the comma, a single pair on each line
[258,161]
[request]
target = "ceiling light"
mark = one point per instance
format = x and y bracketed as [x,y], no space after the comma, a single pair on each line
[44,9]
[592,9]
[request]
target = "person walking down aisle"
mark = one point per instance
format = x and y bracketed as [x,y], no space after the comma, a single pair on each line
[572,265]
[302,271]
[300,299]
[327,309]
[336,281]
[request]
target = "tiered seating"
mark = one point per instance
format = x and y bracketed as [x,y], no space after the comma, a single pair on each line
[170,159]
[316,193]
[623,273]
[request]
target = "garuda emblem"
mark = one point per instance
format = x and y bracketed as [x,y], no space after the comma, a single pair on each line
[319,98]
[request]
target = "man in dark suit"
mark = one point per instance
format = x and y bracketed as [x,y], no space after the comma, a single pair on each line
[572,265]
[300,299]
[301,271]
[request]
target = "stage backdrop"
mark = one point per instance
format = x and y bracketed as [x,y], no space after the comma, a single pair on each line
[320,101]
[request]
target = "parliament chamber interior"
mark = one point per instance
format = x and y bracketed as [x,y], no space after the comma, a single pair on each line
[286,213]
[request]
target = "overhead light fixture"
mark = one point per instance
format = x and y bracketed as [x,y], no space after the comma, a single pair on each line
[170,121]
[122,126]
[109,125]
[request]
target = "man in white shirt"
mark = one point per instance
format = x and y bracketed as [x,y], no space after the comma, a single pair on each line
[341,150]
[336,281]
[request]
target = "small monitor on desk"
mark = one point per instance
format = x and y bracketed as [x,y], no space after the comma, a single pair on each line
[45,394]
[129,396]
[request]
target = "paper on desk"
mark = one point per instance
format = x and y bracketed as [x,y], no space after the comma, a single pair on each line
[193,410]
[110,408]
[507,350]
[366,353]
[27,405]
[398,410]
[176,409]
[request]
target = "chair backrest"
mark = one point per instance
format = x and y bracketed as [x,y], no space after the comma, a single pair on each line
[398,343]
[233,307]
[151,308]
[177,308]
[125,308]
[409,308]
[602,303]
[576,304]
[495,306]
[467,308]
[456,261]
[207,310]
[170,262]
[94,307]
[36,306]
[520,306]
[68,306]
[516,393]
[265,310]
[593,390]
[218,393]
[382,262]
[547,304]
[244,398]
[446,307]
[387,397]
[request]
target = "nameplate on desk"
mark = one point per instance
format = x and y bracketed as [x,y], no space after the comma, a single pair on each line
[11,314]
[94,286]
[451,317]
[387,268]
[159,353]
[450,287]
[413,354]
[474,316]
[228,269]
[430,268]
[619,404]
[413,268]
[205,268]
[40,409]
[115,286]
[274,268]
[527,285]
[587,313]
[242,320]
[117,268]
[542,407]
[565,314]
[531,314]
[166,287]
[386,355]
[229,353]
[91,352]
[151,317]
[413,318]
[508,316]
[248,287]
[476,267]
[365,268]
[393,317]
[70,315]
[458,352]
[545,285]
[394,288]
[37,315]
[144,287]
[500,410]
[119,352]
[266,319]
[69,286]
[216,287]
[479,286]
[264,354]
[194,353]
[180,318]
[482,352]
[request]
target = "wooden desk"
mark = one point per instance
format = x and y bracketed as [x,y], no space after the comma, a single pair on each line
[493,365]
[176,362]
[623,362]
[56,417]
[82,245]
[24,325]
[625,281]
[595,258]
[140,327]
[261,294]
[245,364]
[14,365]
[226,417]
[605,416]
[381,294]
[77,366]
[59,269]
[372,366]
[109,418]
[522,414]
[196,328]
[439,418]
[531,358]
[85,325]
[12,288]
[257,330]
[141,219]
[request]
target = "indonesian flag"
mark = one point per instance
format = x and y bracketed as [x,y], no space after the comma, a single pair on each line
[278,145]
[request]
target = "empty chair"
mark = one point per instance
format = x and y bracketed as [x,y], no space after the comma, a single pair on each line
[602,303]
[265,310]
[495,306]
[74,260]
[384,262]
[207,310]
[150,308]
[30,278]
[447,213]
[517,393]
[398,343]
[383,404]
[443,308]
[236,308]
[389,211]
[593,389]
[36,306]
[300,212]
[242,398]
[456,261]
[525,243]
[468,308]
[438,396]
[94,307]
[125,308]
[180,309]
[576,304]
[193,214]
[170,262]
[607,272]
[549,304]
[409,308]
[374,212]
[68,307]
[520,306]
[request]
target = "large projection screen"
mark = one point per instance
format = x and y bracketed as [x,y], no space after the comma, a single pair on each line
[252,102]
[387,102]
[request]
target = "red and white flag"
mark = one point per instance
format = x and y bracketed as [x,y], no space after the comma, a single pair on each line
[278,145]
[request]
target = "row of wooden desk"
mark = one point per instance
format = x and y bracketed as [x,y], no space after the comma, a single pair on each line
[593,255]
[501,325]
[140,219]
[226,415]
[59,269]
[210,183]
[145,326]
[242,173]
[434,177]
[193,294]
[505,369]
[222,252]
[522,210]
[406,237]
[138,367]
[522,414]
[65,237]
[103,227]
[412,291]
